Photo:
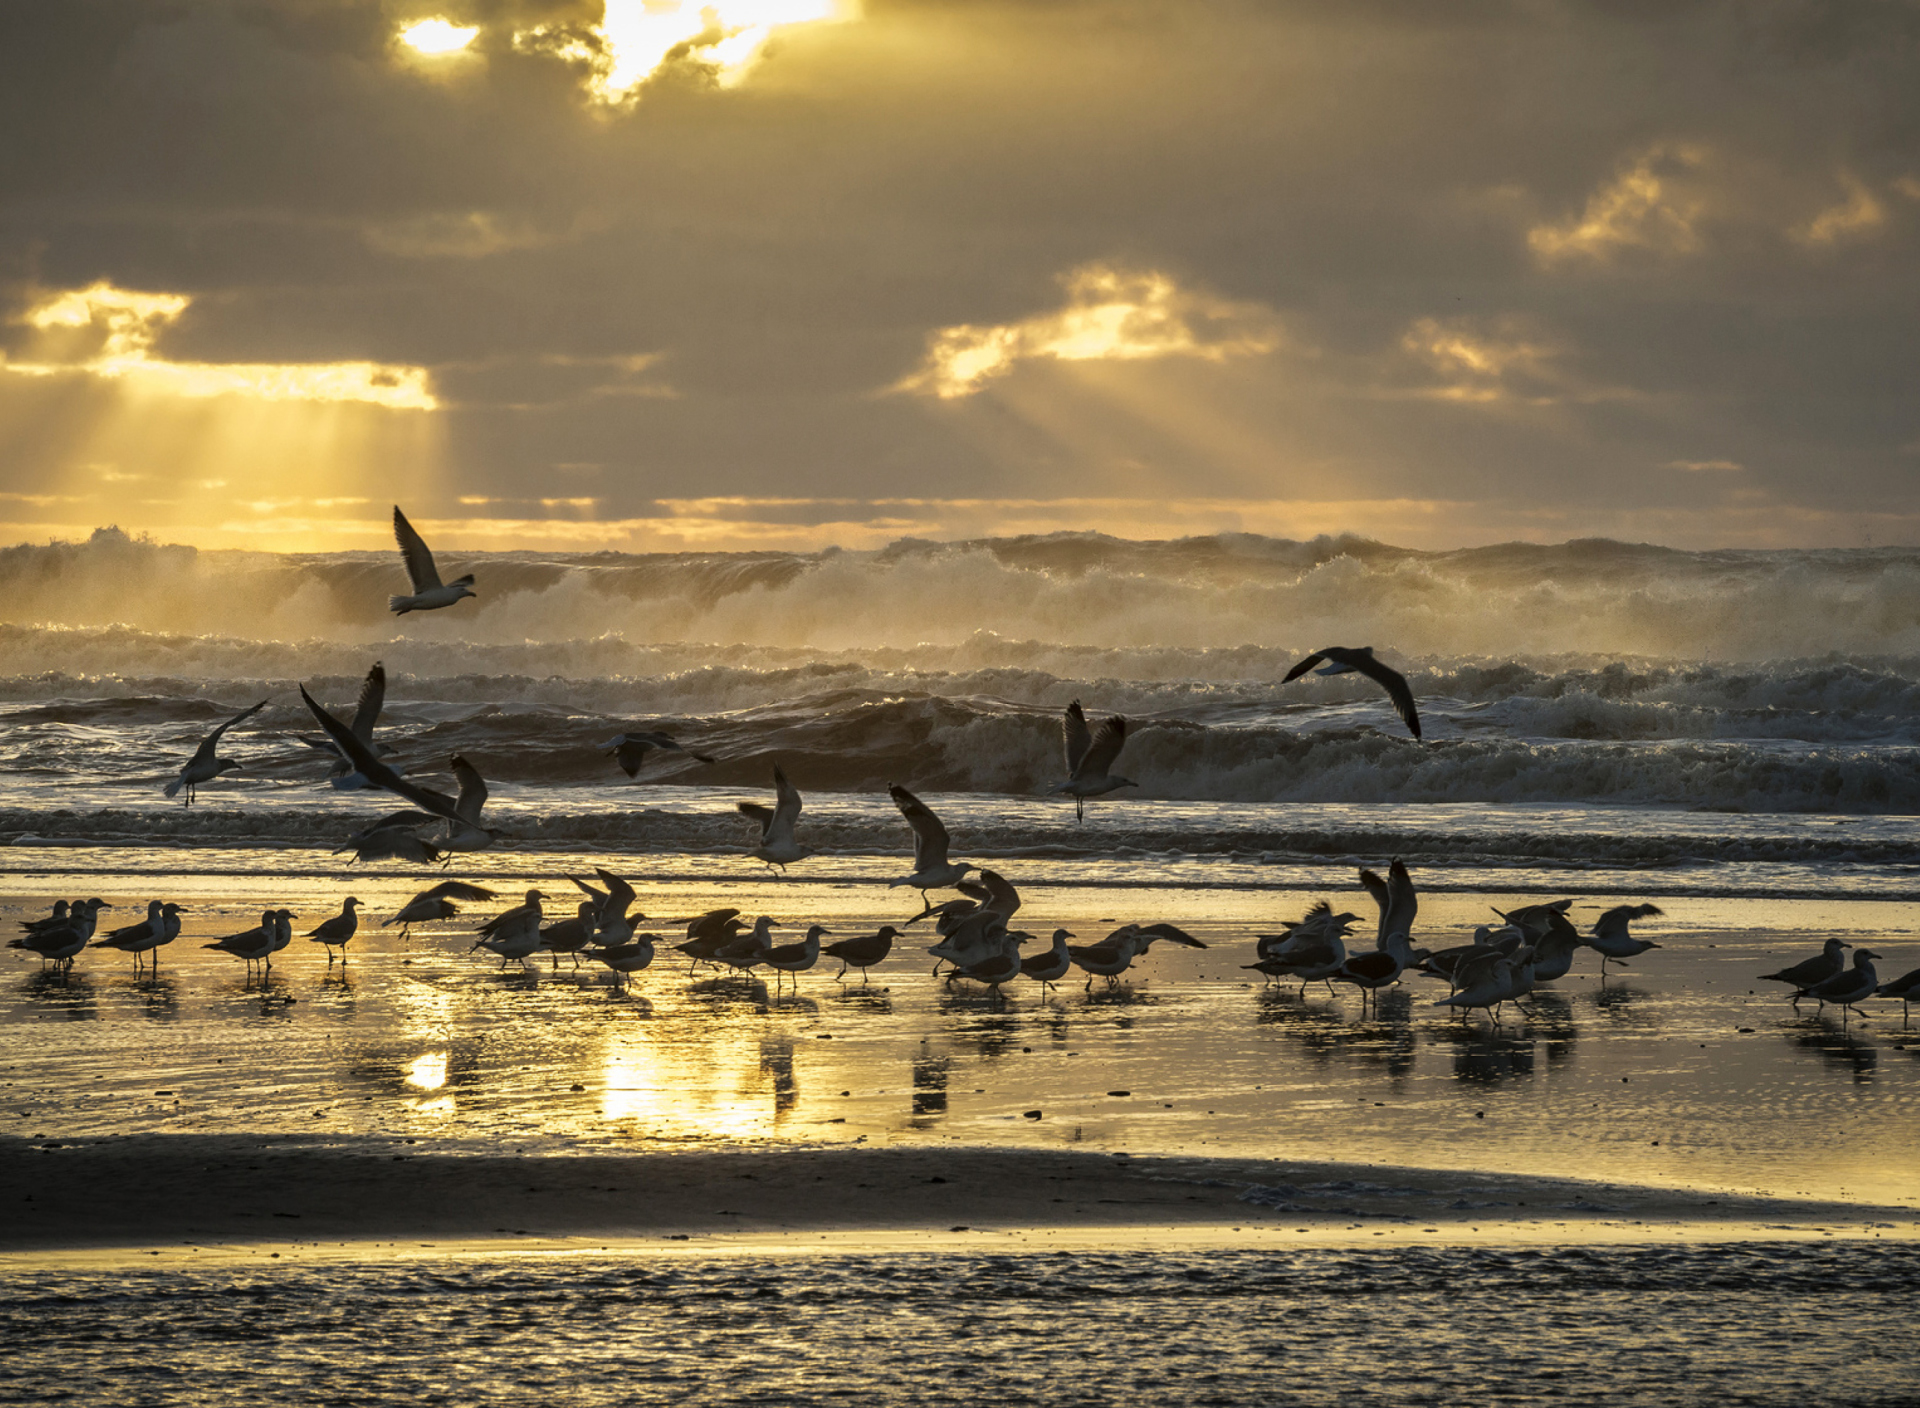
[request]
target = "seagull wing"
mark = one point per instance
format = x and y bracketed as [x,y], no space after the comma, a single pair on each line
[1403,904]
[413,548]
[473,789]
[1104,750]
[786,809]
[377,773]
[1390,680]
[930,839]
[619,893]
[1171,934]
[763,815]
[1382,895]
[1304,666]
[373,694]
[1002,898]
[1076,736]
[204,753]
[599,897]
[454,890]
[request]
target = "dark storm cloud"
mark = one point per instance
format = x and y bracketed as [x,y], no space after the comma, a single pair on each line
[708,292]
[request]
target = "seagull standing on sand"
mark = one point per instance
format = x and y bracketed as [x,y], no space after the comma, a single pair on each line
[862,951]
[1343,660]
[436,903]
[931,868]
[1050,967]
[1843,989]
[630,749]
[796,958]
[366,713]
[335,932]
[570,936]
[160,927]
[1906,987]
[627,959]
[777,846]
[204,766]
[1811,972]
[428,593]
[1610,938]
[59,943]
[1091,755]
[255,945]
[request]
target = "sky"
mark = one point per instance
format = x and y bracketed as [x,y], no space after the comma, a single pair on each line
[559,274]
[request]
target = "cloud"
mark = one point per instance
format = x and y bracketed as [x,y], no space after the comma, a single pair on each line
[1480,363]
[1706,466]
[109,332]
[1111,314]
[1860,214]
[1650,204]
[636,39]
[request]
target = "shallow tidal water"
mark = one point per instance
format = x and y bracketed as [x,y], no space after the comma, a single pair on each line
[1748,1324]
[1679,1071]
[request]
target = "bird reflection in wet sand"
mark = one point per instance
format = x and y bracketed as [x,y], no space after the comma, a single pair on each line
[69,993]
[1836,1045]
[1481,1056]
[929,1088]
[776,1059]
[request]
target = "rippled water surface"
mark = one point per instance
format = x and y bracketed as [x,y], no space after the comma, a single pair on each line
[1748,1324]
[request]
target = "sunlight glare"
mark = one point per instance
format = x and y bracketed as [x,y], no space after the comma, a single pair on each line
[635,38]
[438,36]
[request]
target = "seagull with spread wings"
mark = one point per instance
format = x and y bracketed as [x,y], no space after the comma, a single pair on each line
[1342,660]
[931,868]
[1091,754]
[204,765]
[435,903]
[429,593]
[378,774]
[777,846]
[366,713]
[630,749]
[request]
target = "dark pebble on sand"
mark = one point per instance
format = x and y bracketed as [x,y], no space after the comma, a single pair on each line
[1030,1114]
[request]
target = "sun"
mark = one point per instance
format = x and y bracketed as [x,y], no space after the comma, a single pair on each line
[438,36]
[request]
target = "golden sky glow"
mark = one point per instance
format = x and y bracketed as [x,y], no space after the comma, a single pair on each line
[636,37]
[1111,314]
[438,36]
[1861,213]
[110,332]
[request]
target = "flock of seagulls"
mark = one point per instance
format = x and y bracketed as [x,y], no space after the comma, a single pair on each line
[974,935]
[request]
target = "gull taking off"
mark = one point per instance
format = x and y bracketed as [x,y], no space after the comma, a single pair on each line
[1343,660]
[630,749]
[378,774]
[428,593]
[931,868]
[366,713]
[436,903]
[777,846]
[1610,938]
[1091,755]
[204,766]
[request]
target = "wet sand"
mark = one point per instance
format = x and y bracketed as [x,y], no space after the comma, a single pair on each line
[187,1195]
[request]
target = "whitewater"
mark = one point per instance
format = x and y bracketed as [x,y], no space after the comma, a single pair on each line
[1735,718]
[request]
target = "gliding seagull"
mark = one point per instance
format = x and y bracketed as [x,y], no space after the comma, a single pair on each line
[204,766]
[366,713]
[1346,659]
[428,592]
[630,749]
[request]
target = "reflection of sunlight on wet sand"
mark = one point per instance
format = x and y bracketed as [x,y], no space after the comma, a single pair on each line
[714,1085]
[429,1072]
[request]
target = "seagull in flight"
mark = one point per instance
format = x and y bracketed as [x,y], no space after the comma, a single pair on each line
[204,766]
[630,749]
[931,868]
[1341,660]
[429,594]
[435,903]
[1091,754]
[777,846]
[366,713]
[378,774]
